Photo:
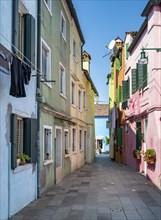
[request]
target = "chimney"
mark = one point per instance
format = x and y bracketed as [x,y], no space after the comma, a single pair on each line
[86,61]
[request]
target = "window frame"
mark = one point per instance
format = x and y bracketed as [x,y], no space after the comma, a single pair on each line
[62,80]
[80,100]
[74,140]
[48,6]
[63,27]
[73,94]
[46,76]
[50,159]
[84,99]
[74,49]
[80,139]
[66,131]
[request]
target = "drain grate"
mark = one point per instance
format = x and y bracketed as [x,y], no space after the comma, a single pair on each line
[116,210]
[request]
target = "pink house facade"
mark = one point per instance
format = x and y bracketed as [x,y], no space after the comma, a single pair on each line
[143,114]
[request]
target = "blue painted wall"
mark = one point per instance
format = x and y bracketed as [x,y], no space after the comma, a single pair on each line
[101,130]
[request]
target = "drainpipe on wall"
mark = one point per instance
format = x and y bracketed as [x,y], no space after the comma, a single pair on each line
[38,95]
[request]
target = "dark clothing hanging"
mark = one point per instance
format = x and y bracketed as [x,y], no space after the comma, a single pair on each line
[26,73]
[20,75]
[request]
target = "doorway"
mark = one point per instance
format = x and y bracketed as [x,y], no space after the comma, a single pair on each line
[58,136]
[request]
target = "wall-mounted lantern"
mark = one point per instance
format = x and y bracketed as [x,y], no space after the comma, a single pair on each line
[143,58]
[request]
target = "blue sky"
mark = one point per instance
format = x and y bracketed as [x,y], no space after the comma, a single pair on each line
[102,21]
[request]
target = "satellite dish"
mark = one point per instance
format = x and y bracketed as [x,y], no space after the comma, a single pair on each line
[111,44]
[110,47]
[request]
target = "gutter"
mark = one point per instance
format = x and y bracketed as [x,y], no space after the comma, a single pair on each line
[92,84]
[38,96]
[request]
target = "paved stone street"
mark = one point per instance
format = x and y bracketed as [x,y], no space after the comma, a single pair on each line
[103,190]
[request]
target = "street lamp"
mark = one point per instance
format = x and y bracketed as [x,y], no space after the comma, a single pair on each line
[143,58]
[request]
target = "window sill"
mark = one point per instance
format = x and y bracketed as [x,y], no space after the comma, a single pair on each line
[21,168]
[74,106]
[74,152]
[81,150]
[63,96]
[46,162]
[66,155]
[47,83]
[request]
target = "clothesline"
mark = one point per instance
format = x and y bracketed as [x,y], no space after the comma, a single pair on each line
[37,70]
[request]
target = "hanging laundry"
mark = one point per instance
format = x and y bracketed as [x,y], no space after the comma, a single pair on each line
[20,75]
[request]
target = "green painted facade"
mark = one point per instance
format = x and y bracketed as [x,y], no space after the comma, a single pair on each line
[56,104]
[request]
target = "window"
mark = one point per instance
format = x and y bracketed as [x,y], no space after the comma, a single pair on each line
[139,77]
[23,32]
[84,99]
[20,126]
[80,139]
[74,49]
[48,4]
[126,89]
[79,100]
[62,81]
[66,141]
[63,26]
[46,61]
[73,94]
[74,140]
[23,138]
[47,135]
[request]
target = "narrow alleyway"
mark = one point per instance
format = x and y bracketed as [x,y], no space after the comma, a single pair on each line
[103,190]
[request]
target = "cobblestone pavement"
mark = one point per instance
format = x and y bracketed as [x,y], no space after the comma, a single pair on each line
[103,190]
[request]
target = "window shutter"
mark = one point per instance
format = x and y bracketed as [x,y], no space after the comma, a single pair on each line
[30,138]
[15,24]
[117,64]
[134,80]
[124,90]
[120,93]
[127,53]
[117,95]
[144,75]
[120,58]
[29,48]
[140,75]
[128,88]
[119,136]
[13,139]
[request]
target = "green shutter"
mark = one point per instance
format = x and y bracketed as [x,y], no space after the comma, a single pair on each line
[144,75]
[29,47]
[107,140]
[13,139]
[134,80]
[119,136]
[128,88]
[117,64]
[30,137]
[124,90]
[117,95]
[120,58]
[120,93]
[112,73]
[127,53]
[15,24]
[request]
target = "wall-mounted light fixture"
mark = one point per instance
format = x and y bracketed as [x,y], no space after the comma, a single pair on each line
[143,58]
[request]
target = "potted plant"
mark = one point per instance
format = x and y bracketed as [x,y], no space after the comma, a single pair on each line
[137,154]
[23,158]
[150,156]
